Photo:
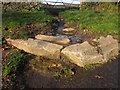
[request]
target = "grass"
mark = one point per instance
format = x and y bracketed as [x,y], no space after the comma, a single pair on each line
[95,21]
[65,72]
[101,6]
[90,67]
[13,20]
[16,59]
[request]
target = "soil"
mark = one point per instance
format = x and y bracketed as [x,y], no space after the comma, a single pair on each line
[105,76]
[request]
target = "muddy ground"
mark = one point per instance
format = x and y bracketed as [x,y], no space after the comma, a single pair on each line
[103,76]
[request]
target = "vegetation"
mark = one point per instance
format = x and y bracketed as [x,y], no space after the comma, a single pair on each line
[65,72]
[21,23]
[21,5]
[14,20]
[100,6]
[89,67]
[15,60]
[95,20]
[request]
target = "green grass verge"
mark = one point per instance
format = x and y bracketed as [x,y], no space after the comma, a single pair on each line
[12,20]
[95,21]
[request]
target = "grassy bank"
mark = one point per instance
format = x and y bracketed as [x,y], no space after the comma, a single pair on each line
[105,22]
[14,20]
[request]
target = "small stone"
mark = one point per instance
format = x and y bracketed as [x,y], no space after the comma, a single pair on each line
[68,29]
[59,65]
[53,65]
[53,39]
[72,73]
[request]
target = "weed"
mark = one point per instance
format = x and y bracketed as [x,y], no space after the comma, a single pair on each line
[89,67]
[65,72]
[15,60]
[21,34]
[58,74]
[112,58]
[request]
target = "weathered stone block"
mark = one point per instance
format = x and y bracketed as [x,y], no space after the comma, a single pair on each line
[82,54]
[109,47]
[53,39]
[38,47]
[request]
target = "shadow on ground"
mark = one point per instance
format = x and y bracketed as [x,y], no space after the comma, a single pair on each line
[104,76]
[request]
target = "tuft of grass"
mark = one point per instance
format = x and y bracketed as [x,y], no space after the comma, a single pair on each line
[90,67]
[16,59]
[112,58]
[65,72]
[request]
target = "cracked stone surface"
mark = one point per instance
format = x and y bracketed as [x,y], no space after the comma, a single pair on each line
[82,54]
[109,47]
[38,47]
